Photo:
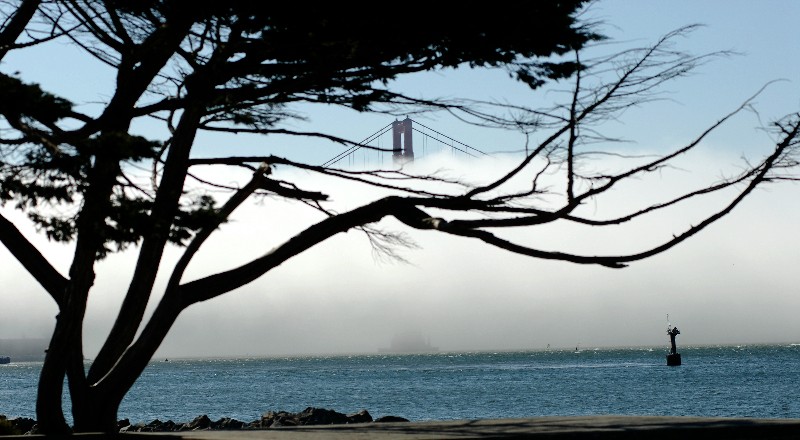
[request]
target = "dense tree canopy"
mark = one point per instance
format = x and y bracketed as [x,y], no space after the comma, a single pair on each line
[242,63]
[239,67]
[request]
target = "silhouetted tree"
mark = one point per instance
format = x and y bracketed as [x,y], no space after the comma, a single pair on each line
[239,66]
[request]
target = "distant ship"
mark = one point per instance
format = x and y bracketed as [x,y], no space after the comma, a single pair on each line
[23,350]
[408,343]
[5,360]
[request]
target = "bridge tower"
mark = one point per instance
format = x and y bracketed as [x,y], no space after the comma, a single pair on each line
[403,143]
[402,130]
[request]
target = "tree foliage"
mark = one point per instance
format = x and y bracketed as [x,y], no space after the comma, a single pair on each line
[242,67]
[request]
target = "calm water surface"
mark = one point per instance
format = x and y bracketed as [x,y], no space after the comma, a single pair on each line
[727,381]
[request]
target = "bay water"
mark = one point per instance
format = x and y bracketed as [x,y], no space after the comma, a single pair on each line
[758,381]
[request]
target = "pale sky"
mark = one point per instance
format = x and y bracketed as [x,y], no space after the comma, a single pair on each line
[734,283]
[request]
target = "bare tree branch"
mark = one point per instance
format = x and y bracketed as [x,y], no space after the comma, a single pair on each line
[33,260]
[16,25]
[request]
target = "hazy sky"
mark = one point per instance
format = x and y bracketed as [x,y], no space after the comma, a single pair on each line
[735,283]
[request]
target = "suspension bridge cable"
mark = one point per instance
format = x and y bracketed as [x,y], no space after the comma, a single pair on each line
[449,138]
[355,147]
[449,145]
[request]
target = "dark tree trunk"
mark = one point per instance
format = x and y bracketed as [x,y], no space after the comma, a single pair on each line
[65,354]
[49,414]
[97,414]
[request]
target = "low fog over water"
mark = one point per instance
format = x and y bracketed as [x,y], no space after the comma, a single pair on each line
[733,283]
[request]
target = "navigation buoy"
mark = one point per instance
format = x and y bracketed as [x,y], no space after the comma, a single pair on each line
[673,358]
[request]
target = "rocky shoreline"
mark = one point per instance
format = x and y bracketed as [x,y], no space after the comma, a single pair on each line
[309,416]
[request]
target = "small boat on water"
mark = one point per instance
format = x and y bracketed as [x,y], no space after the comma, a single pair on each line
[5,360]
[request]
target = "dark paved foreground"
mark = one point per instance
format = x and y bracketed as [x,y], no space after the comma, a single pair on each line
[596,427]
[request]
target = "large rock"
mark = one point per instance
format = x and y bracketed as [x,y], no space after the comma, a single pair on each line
[227,423]
[123,423]
[154,426]
[20,425]
[277,419]
[310,416]
[362,416]
[390,419]
[321,416]
[199,423]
